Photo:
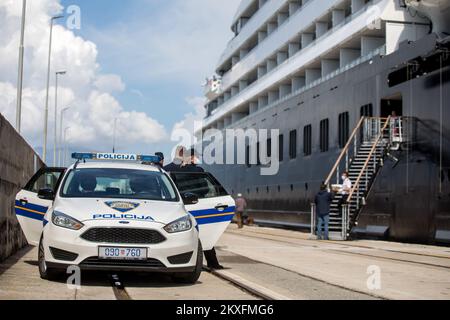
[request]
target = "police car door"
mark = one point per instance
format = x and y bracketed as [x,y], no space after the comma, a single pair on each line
[215,207]
[29,208]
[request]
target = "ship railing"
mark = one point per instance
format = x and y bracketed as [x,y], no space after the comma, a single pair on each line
[400,131]
[233,44]
[379,51]
[373,126]
[351,148]
[373,160]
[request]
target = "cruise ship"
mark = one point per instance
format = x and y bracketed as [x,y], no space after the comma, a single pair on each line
[361,86]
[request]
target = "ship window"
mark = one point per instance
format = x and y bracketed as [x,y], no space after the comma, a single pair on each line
[343,127]
[258,158]
[367,110]
[307,140]
[281,147]
[324,135]
[293,144]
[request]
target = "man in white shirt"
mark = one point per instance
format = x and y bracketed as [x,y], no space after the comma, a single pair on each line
[346,185]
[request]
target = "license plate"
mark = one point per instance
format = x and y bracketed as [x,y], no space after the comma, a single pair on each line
[122,253]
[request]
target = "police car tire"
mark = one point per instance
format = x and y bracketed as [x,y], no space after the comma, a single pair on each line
[191,277]
[45,272]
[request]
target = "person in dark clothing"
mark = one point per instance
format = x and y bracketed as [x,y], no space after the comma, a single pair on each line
[192,166]
[176,164]
[323,201]
[161,162]
[210,255]
[211,259]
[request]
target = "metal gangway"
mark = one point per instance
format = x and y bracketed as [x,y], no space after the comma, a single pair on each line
[362,157]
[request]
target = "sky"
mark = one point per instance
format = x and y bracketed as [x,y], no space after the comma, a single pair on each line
[140,61]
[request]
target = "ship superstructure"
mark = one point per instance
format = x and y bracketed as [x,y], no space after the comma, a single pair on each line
[351,85]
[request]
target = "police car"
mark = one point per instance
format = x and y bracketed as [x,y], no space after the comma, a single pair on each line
[112,212]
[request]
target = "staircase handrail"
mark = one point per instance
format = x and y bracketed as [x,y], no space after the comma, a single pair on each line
[366,163]
[345,150]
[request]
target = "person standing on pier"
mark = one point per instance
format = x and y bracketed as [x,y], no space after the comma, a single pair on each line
[241,206]
[323,201]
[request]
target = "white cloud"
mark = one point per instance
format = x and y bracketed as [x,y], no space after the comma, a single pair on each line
[110,83]
[182,42]
[83,88]
[191,118]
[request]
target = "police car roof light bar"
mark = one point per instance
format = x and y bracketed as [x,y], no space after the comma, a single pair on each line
[83,156]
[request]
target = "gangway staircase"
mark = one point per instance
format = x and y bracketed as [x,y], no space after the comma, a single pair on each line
[362,157]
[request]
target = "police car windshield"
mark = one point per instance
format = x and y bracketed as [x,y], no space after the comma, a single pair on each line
[118,183]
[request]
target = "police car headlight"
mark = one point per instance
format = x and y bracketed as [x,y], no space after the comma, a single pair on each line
[183,224]
[61,220]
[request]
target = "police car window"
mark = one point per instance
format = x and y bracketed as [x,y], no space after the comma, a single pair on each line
[201,184]
[118,183]
[46,180]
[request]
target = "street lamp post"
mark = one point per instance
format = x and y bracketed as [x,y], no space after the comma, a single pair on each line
[114,135]
[55,142]
[60,138]
[20,72]
[65,144]
[44,147]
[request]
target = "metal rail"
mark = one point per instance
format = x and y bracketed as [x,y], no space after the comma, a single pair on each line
[366,163]
[345,152]
[313,219]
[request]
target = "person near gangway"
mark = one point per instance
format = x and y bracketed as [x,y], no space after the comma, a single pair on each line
[346,186]
[241,209]
[323,201]
[344,190]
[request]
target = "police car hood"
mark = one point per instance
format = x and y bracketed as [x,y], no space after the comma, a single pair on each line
[85,209]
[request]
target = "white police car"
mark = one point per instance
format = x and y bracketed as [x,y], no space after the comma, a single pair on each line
[115,213]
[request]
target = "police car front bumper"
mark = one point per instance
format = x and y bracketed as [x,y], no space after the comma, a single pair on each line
[64,248]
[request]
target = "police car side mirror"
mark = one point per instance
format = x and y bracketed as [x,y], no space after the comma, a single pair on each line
[46,194]
[189,198]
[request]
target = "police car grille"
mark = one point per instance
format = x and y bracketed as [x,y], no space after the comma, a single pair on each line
[63,255]
[96,262]
[123,235]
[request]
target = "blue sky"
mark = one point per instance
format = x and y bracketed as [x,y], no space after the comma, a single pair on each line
[162,49]
[138,62]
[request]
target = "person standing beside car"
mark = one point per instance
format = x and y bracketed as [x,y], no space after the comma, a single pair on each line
[177,162]
[190,166]
[241,206]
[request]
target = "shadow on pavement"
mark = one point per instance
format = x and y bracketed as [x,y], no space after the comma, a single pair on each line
[12,260]
[128,279]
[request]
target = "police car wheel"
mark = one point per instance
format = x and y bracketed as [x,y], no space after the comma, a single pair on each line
[191,277]
[44,271]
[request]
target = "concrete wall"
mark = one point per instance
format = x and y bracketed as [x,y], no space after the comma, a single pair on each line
[18,163]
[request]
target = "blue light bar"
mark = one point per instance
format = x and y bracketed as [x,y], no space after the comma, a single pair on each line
[83,156]
[153,159]
[115,157]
